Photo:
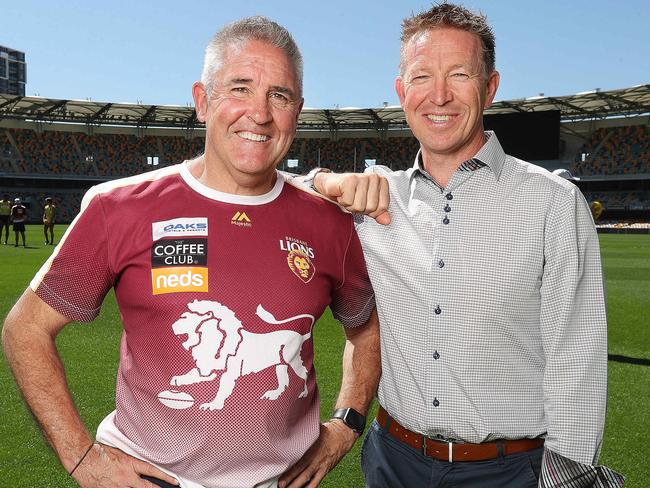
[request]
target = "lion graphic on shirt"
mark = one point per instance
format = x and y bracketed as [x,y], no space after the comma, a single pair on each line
[218,342]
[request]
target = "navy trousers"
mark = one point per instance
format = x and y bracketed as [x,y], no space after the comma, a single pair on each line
[389,463]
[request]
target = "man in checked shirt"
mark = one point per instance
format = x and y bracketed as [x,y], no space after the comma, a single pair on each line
[489,289]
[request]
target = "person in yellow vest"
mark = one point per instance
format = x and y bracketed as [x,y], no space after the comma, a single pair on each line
[5,212]
[48,221]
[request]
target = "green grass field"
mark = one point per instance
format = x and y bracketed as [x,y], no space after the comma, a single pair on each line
[90,354]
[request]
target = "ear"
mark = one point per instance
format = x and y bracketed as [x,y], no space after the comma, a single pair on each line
[300,105]
[399,88]
[200,100]
[492,86]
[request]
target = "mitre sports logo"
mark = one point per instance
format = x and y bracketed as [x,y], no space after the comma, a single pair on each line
[241,219]
[194,226]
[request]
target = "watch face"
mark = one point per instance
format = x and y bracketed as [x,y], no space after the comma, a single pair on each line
[351,418]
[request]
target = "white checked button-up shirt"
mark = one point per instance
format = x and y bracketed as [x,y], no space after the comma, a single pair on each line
[491,304]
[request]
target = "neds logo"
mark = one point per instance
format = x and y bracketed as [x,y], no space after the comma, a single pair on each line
[179,279]
[196,226]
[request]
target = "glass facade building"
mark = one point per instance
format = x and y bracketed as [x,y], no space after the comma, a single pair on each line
[13,71]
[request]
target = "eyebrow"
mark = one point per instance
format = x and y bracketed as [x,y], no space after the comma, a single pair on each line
[240,81]
[467,66]
[273,88]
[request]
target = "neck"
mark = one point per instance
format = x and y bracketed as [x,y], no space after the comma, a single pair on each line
[230,182]
[442,166]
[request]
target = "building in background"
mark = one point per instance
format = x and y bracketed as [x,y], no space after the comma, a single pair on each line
[13,71]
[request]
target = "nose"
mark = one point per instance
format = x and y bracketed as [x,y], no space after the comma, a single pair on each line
[440,92]
[260,110]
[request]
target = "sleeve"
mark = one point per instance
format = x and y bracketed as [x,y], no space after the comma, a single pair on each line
[574,330]
[558,471]
[77,276]
[354,299]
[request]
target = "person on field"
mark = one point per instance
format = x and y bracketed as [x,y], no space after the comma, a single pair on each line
[5,215]
[489,288]
[220,268]
[18,218]
[49,210]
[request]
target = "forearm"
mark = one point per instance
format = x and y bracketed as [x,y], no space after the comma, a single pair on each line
[361,367]
[32,355]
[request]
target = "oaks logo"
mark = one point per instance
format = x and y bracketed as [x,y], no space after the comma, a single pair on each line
[194,226]
[241,219]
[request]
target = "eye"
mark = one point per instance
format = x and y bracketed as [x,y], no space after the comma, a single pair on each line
[419,78]
[239,90]
[279,99]
[460,76]
[279,96]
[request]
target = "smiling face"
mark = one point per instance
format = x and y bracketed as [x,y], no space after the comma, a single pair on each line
[444,91]
[250,115]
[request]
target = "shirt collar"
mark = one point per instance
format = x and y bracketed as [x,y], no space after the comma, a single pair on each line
[491,155]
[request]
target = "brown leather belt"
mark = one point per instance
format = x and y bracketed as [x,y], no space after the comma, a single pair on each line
[454,451]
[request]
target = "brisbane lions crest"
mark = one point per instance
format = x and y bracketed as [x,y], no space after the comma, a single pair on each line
[301,265]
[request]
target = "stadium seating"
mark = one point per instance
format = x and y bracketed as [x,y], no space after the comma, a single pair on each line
[78,155]
[615,151]
[350,154]
[116,155]
[620,199]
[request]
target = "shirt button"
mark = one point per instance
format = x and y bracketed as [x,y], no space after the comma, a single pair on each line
[445,221]
[437,311]
[436,356]
[441,264]
[450,196]
[435,402]
[447,208]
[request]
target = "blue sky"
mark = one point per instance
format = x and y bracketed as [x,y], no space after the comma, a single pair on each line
[151,51]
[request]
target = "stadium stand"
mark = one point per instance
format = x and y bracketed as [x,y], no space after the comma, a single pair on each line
[621,200]
[59,148]
[615,151]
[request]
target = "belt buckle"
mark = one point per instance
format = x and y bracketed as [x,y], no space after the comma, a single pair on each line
[450,448]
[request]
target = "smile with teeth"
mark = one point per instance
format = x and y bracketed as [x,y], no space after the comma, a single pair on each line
[439,119]
[250,136]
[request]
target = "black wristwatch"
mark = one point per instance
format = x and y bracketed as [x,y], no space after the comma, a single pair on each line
[351,418]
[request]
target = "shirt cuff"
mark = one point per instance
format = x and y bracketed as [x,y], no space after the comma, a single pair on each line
[561,472]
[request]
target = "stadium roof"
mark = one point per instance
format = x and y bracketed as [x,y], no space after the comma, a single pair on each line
[581,106]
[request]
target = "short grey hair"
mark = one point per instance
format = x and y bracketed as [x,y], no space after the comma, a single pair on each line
[454,16]
[255,28]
